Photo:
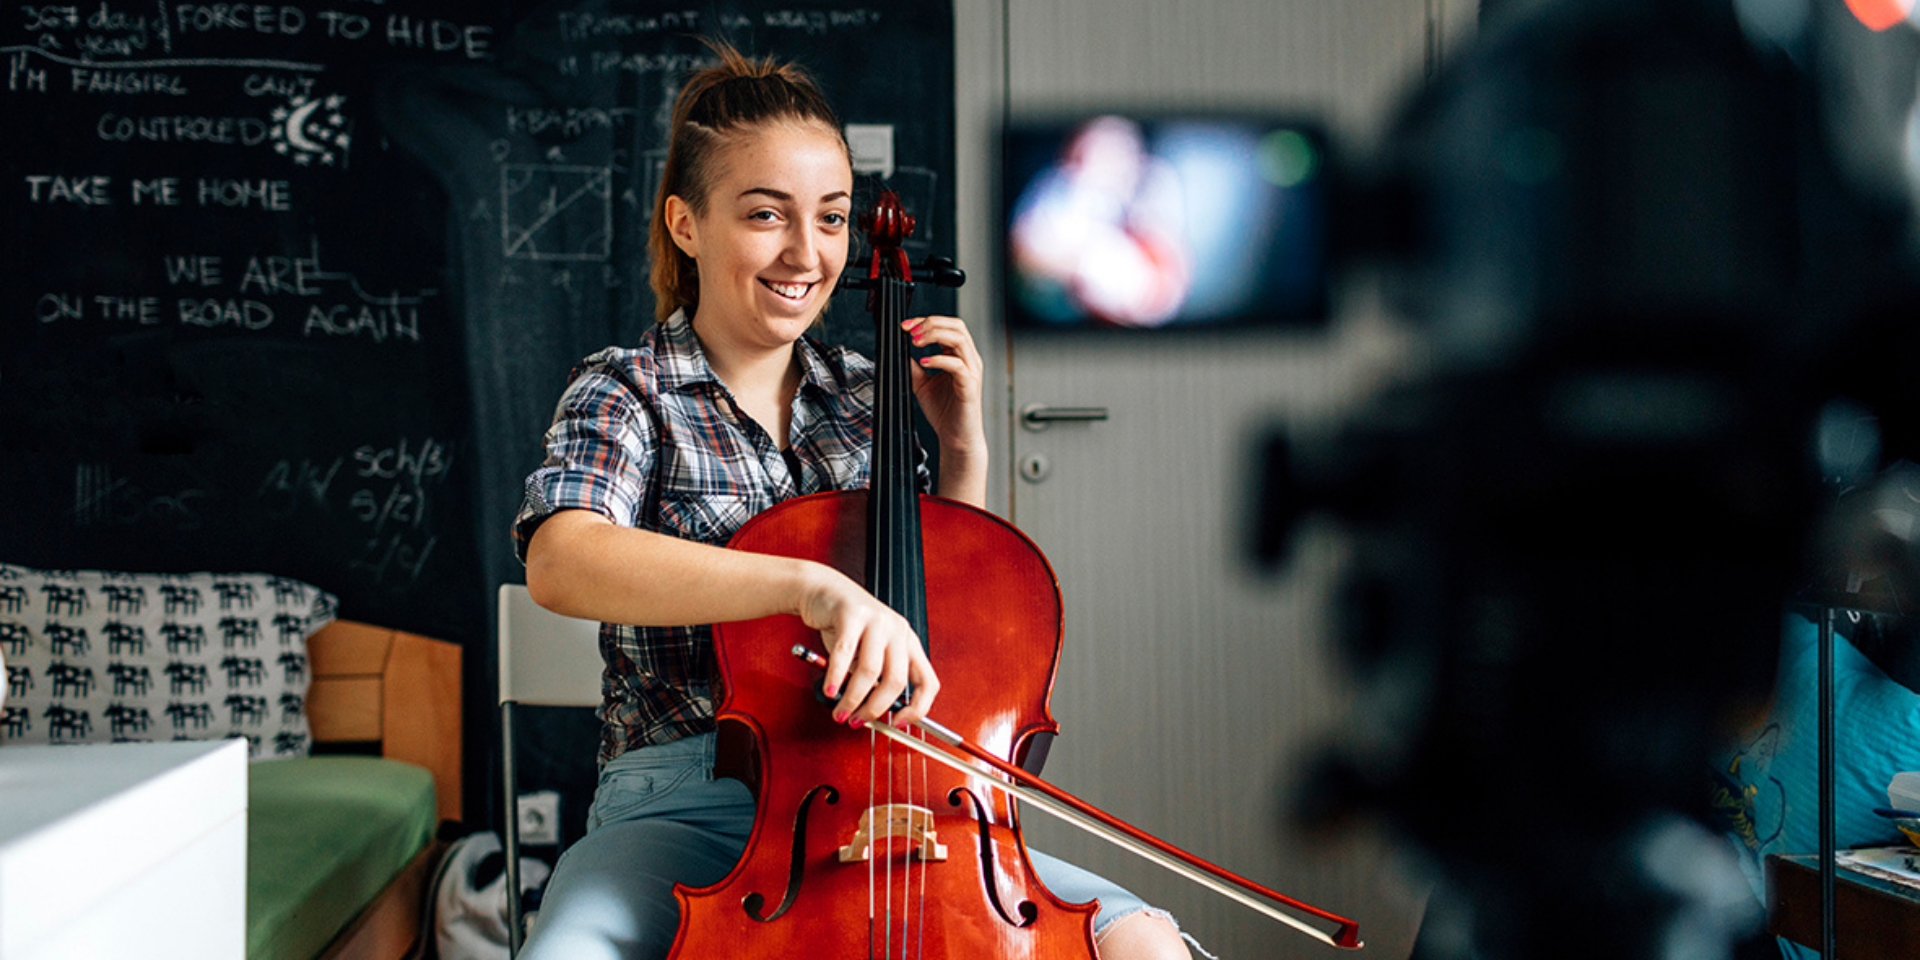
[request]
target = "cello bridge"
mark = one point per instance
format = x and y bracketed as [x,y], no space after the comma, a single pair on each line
[890,821]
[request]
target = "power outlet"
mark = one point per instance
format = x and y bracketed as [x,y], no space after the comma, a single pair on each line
[540,817]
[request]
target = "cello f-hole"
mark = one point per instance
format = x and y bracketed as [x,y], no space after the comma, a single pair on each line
[1026,909]
[753,902]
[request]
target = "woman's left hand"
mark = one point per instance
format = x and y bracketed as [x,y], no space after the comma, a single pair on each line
[950,400]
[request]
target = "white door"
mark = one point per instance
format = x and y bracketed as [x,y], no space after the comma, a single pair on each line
[1192,690]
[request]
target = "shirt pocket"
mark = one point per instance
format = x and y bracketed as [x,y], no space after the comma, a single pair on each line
[706,517]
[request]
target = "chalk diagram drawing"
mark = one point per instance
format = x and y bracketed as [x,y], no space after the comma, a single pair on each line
[556,212]
[312,129]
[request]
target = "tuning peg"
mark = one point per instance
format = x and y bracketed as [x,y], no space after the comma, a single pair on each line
[941,271]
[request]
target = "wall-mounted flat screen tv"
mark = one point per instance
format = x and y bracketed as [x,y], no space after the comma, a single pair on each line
[1164,222]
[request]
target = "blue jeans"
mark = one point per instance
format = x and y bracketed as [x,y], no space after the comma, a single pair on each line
[659,818]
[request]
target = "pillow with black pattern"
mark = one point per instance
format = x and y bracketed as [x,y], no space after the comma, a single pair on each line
[98,656]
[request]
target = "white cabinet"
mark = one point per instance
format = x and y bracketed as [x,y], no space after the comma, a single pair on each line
[123,850]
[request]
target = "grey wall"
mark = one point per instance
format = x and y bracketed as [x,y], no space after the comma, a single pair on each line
[1156,643]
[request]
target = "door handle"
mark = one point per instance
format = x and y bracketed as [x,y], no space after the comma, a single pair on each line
[1039,416]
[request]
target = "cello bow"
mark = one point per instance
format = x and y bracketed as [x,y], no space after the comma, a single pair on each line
[1072,810]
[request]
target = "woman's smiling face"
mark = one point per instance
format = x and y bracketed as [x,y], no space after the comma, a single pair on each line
[772,239]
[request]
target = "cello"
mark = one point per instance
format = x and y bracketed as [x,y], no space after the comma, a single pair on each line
[890,844]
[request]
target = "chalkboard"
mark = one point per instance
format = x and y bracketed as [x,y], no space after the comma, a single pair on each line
[292,286]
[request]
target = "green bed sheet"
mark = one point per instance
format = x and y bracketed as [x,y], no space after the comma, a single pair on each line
[324,835]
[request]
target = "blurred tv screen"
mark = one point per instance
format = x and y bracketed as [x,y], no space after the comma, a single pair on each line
[1164,222]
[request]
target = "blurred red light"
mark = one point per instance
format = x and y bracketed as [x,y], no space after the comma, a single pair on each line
[1880,14]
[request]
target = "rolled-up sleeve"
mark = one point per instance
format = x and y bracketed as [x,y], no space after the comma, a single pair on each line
[598,456]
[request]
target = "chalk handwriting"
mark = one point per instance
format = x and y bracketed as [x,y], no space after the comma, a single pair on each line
[244,17]
[239,131]
[275,195]
[53,306]
[96,31]
[385,495]
[394,557]
[428,459]
[201,270]
[164,192]
[272,85]
[820,21]
[576,27]
[440,36]
[87,36]
[50,18]
[83,190]
[86,80]
[144,311]
[98,190]
[22,75]
[351,26]
[567,121]
[251,295]
[399,505]
[600,62]
[394,317]
[298,276]
[228,312]
[44,51]
[290,485]
[102,499]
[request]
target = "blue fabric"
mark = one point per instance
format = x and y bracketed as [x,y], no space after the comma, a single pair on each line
[658,818]
[1767,787]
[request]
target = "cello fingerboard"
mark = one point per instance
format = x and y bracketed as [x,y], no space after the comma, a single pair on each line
[896,563]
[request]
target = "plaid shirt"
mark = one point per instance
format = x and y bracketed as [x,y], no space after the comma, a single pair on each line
[650,438]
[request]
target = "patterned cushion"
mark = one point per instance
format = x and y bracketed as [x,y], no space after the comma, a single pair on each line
[95,656]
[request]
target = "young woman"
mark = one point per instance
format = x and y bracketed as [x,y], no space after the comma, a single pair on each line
[658,453]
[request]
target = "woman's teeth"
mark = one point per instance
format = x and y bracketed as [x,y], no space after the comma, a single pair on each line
[792,291]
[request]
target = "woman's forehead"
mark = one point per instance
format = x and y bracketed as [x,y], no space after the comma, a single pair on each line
[804,159]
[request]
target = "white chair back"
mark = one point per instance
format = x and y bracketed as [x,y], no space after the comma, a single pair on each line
[546,659]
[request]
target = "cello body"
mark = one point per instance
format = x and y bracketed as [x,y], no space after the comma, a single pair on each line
[857,851]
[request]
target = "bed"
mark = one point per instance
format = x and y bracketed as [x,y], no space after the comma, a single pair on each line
[340,847]
[353,731]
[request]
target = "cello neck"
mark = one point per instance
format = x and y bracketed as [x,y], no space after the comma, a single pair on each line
[896,564]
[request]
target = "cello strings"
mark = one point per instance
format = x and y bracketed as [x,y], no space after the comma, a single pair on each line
[898,501]
[899,504]
[884,487]
[886,564]
[920,948]
[911,496]
[895,569]
[904,504]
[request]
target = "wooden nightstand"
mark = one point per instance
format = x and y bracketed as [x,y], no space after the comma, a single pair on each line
[1873,919]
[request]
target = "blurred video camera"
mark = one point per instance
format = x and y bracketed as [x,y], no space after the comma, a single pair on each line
[1660,257]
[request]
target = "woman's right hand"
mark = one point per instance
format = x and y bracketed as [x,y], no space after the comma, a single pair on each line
[581,564]
[872,652]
